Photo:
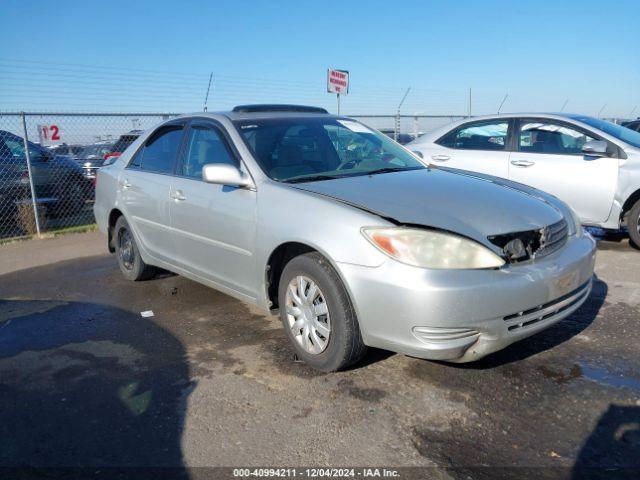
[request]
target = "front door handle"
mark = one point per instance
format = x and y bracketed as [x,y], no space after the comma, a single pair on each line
[440,157]
[177,196]
[522,163]
[125,185]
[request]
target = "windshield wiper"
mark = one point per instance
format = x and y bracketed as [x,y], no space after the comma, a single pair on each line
[313,178]
[316,178]
[392,169]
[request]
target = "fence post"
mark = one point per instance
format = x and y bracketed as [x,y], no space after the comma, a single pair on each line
[28,156]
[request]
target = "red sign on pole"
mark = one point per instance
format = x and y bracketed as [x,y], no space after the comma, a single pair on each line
[338,81]
[49,134]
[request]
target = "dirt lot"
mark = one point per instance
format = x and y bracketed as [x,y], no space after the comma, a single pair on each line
[86,381]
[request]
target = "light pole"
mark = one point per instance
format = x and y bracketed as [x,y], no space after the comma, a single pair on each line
[397,129]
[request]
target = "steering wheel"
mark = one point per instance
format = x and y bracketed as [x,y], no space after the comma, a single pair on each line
[347,165]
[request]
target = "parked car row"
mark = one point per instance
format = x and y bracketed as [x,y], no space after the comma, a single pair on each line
[59,184]
[349,237]
[62,178]
[92,157]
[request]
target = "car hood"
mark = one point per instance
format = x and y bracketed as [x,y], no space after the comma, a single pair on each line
[458,202]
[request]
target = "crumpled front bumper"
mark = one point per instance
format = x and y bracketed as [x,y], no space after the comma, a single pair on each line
[463,315]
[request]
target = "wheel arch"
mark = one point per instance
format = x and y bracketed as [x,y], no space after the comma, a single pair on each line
[629,203]
[278,259]
[114,214]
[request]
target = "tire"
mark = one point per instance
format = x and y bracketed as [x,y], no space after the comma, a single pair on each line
[131,264]
[343,346]
[633,224]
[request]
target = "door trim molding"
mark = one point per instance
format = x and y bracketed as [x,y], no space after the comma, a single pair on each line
[200,238]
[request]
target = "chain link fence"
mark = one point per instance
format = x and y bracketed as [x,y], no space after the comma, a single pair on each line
[48,163]
[404,128]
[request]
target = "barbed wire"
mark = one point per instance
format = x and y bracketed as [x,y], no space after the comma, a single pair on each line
[34,84]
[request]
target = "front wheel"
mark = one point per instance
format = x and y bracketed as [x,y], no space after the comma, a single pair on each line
[131,264]
[317,314]
[633,224]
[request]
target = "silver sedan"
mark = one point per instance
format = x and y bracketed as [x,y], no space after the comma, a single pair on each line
[345,234]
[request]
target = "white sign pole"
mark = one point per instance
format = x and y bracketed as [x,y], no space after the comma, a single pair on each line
[338,83]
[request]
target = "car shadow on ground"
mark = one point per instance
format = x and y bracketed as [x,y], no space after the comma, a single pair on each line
[549,338]
[89,390]
[613,448]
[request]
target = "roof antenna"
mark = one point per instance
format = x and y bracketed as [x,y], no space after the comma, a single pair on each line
[564,105]
[502,103]
[600,111]
[206,98]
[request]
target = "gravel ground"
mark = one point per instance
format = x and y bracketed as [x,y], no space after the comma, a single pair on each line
[207,381]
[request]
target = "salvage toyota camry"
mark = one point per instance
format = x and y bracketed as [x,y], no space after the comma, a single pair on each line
[345,234]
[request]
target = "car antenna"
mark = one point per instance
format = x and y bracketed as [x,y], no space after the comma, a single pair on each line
[207,95]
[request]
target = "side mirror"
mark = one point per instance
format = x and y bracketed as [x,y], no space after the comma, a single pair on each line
[595,148]
[224,174]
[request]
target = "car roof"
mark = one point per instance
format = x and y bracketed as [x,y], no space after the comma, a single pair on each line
[266,111]
[555,115]
[436,133]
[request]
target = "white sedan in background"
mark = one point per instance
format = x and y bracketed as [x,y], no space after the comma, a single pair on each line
[591,164]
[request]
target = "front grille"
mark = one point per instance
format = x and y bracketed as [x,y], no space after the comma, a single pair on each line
[530,244]
[545,311]
[552,238]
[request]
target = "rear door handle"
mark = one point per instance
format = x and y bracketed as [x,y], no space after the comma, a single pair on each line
[125,185]
[440,157]
[522,163]
[177,196]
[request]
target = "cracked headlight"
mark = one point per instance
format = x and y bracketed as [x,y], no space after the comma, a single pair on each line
[432,249]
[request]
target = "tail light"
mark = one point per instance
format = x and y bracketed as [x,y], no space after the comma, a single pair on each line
[24,176]
[111,154]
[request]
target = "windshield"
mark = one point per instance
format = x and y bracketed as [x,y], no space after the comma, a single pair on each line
[307,149]
[618,131]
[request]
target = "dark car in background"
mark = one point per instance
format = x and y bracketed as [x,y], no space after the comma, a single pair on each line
[633,125]
[71,151]
[403,138]
[123,142]
[61,188]
[93,156]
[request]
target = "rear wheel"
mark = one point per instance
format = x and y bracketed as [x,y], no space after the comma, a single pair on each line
[317,314]
[633,224]
[129,259]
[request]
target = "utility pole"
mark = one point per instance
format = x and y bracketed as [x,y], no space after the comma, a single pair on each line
[564,105]
[469,102]
[206,98]
[502,103]
[397,129]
